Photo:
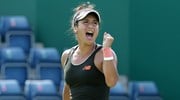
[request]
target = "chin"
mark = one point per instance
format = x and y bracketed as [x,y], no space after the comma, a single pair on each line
[90,43]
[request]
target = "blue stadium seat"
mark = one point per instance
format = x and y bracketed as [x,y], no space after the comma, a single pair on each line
[51,71]
[18,71]
[14,65]
[12,54]
[43,55]
[16,32]
[119,92]
[14,23]
[23,39]
[41,90]
[46,62]
[10,23]
[61,87]
[144,90]
[10,90]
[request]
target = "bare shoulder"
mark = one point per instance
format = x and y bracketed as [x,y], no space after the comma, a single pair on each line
[64,56]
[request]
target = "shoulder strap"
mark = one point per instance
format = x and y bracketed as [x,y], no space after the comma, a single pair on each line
[98,47]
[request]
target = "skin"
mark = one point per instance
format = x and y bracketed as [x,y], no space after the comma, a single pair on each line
[86,47]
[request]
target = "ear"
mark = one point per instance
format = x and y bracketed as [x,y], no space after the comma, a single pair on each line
[75,29]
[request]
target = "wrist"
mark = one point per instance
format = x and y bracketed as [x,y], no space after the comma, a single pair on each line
[107,54]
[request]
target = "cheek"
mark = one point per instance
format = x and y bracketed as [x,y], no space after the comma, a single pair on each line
[80,28]
[97,30]
[96,35]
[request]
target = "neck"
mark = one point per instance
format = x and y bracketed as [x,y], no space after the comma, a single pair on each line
[84,50]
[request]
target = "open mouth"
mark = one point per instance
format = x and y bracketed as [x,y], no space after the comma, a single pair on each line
[89,35]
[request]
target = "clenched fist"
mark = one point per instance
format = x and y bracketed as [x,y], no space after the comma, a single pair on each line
[107,40]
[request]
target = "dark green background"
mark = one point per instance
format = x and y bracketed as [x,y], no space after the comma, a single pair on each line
[147,34]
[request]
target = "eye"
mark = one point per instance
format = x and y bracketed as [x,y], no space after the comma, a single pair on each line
[95,23]
[85,22]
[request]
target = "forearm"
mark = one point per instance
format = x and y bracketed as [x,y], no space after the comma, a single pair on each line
[110,66]
[110,72]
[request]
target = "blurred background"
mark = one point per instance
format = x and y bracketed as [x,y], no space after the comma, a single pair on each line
[147,34]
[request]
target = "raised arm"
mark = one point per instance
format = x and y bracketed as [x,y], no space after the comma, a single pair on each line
[109,61]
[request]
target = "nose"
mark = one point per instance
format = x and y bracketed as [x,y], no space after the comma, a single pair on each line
[91,25]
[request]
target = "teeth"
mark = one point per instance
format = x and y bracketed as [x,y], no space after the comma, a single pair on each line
[90,32]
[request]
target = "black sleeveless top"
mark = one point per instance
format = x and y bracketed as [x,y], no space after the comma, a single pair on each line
[85,80]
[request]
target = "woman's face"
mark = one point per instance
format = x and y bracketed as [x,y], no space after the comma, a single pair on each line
[87,29]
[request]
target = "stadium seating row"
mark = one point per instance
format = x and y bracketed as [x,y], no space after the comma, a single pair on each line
[34,90]
[43,63]
[46,90]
